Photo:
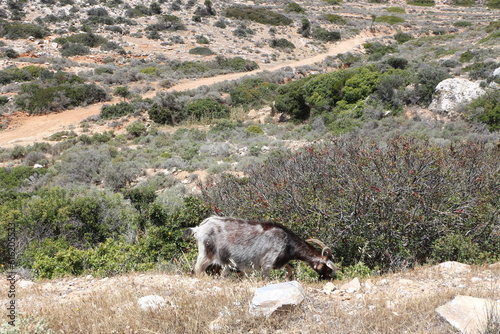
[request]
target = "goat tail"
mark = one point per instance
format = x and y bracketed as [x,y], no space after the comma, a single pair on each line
[189,232]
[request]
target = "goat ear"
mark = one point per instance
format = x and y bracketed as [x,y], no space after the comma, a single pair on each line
[330,265]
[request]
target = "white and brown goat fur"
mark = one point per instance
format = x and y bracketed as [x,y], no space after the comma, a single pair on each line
[249,245]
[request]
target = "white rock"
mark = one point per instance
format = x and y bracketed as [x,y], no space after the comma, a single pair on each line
[352,286]
[151,302]
[452,268]
[496,72]
[329,287]
[453,92]
[271,297]
[468,314]
[369,285]
[23,284]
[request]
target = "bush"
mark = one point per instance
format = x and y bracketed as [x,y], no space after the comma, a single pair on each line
[254,91]
[325,35]
[88,39]
[281,43]
[236,64]
[386,203]
[117,110]
[466,56]
[455,247]
[16,30]
[396,10]
[333,18]
[137,129]
[257,14]
[462,24]
[390,19]
[294,7]
[486,109]
[425,3]
[207,108]
[493,4]
[402,37]
[464,3]
[11,53]
[74,49]
[202,51]
[427,79]
[39,99]
[26,73]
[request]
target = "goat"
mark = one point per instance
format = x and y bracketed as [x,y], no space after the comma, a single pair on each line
[249,245]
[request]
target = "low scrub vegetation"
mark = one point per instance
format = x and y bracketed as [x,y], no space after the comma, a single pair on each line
[257,14]
[58,91]
[390,205]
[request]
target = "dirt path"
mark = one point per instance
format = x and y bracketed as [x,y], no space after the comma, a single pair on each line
[26,130]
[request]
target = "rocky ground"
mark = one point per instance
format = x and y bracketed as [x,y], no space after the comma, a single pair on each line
[402,302]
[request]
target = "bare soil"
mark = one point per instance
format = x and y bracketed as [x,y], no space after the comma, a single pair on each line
[25,130]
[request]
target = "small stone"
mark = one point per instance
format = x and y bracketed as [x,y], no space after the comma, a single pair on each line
[369,285]
[352,286]
[329,287]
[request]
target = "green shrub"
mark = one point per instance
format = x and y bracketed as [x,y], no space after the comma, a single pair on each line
[117,110]
[486,109]
[15,177]
[26,73]
[390,19]
[11,53]
[137,129]
[427,78]
[493,4]
[39,99]
[462,24]
[255,130]
[202,51]
[402,37]
[281,43]
[257,14]
[236,64]
[325,35]
[202,40]
[294,7]
[103,70]
[16,30]
[466,56]
[208,108]
[396,10]
[464,3]
[88,39]
[455,247]
[425,3]
[254,91]
[386,204]
[74,49]
[334,18]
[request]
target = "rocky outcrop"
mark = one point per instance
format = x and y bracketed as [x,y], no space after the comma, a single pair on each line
[451,93]
[469,314]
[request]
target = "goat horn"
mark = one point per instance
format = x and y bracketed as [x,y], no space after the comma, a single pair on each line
[325,248]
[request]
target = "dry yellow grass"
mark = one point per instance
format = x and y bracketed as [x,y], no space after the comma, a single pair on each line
[397,303]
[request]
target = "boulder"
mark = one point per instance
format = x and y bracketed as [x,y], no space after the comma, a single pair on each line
[468,314]
[452,268]
[496,72]
[451,93]
[271,297]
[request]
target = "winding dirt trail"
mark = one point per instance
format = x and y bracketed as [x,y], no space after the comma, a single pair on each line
[26,130]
